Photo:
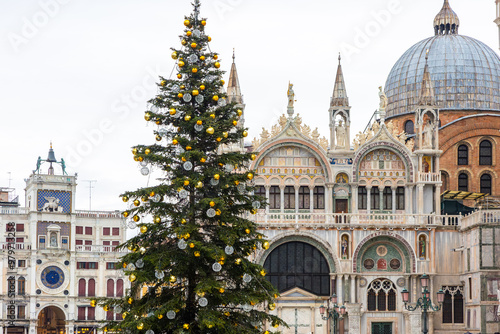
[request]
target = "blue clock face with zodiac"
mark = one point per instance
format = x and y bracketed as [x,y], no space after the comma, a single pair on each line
[52,277]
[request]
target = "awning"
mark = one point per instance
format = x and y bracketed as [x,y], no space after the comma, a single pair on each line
[460,195]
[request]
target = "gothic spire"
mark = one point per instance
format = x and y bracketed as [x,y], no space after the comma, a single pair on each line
[427,92]
[339,98]
[446,21]
[233,86]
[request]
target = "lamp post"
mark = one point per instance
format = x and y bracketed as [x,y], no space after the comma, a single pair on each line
[423,302]
[332,311]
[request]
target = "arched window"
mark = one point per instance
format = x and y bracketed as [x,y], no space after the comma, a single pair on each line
[409,127]
[381,296]
[362,194]
[298,264]
[375,198]
[81,287]
[274,198]
[463,182]
[387,198]
[453,305]
[304,198]
[400,198]
[486,184]
[485,153]
[289,197]
[21,286]
[91,292]
[110,288]
[260,191]
[119,288]
[445,179]
[319,197]
[463,155]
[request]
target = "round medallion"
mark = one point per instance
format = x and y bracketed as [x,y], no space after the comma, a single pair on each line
[401,282]
[362,282]
[369,264]
[52,277]
[395,264]
[381,251]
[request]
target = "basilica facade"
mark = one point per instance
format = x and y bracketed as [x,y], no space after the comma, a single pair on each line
[361,217]
[56,259]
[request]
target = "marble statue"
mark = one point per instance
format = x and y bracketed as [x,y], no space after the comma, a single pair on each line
[428,135]
[52,204]
[53,240]
[265,134]
[390,128]
[291,95]
[383,99]
[376,127]
[340,135]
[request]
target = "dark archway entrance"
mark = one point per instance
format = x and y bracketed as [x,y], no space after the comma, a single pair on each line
[51,320]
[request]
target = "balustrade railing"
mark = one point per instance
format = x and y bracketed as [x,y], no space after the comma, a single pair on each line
[356,218]
[5,210]
[429,177]
[15,245]
[481,217]
[98,214]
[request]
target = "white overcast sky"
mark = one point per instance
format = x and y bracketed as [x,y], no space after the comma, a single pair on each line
[84,68]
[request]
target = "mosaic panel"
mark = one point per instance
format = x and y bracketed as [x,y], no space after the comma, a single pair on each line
[54,201]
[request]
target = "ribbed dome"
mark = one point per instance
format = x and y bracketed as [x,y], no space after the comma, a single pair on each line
[465,72]
[465,75]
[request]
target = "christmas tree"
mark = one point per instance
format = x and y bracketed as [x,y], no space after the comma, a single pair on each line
[190,267]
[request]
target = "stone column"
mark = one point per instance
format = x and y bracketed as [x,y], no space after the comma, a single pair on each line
[414,291]
[311,199]
[354,198]
[282,199]
[410,199]
[354,314]
[420,201]
[297,199]
[394,199]
[340,289]
[368,199]
[381,198]
[353,289]
[329,198]
[415,322]
[267,197]
[437,200]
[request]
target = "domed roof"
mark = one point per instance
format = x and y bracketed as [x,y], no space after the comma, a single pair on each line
[465,72]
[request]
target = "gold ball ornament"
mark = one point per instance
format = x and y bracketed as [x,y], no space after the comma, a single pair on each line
[175,142]
[209,38]
[160,316]
[265,245]
[216,57]
[140,159]
[237,261]
[183,87]
[250,176]
[221,290]
[253,211]
[136,218]
[163,83]
[239,112]
[236,182]
[245,133]
[235,123]
[218,212]
[188,148]
[203,23]
[199,122]
[144,229]
[180,95]
[202,87]
[219,139]
[187,23]
[173,111]
[186,183]
[202,58]
[194,70]
[199,185]
[185,326]
[130,300]
[247,231]
[157,220]
[140,326]
[124,315]
[194,45]
[217,64]
[105,308]
[197,254]
[173,279]
[151,194]
[125,198]
[262,272]
[136,202]
[174,55]
[132,278]
[189,33]
[225,134]
[187,118]
[223,82]
[184,42]
[144,198]
[181,63]
[210,131]
[147,151]
[272,306]
[212,203]
[195,92]
[183,221]
[147,116]
[216,176]
[93,303]
[212,116]
[191,245]
[158,138]
[183,159]
[135,151]
[215,98]
[203,160]
[125,214]
[179,76]
[253,157]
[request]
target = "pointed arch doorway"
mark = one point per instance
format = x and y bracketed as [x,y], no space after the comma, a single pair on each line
[51,320]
